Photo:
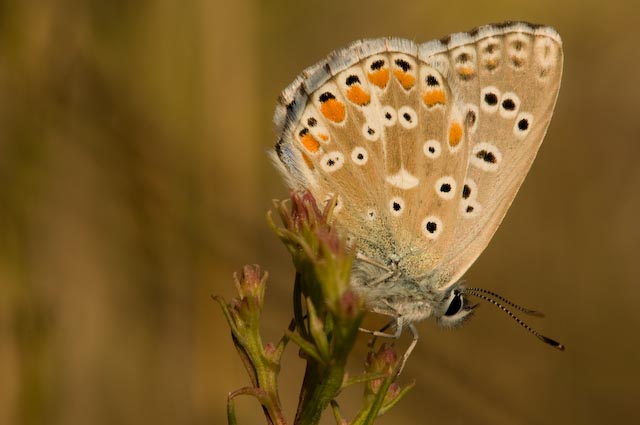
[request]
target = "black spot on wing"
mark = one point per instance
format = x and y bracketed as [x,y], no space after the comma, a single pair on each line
[403,64]
[352,79]
[326,96]
[377,64]
[487,156]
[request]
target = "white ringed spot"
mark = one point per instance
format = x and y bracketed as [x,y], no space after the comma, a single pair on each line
[469,189]
[470,208]
[489,99]
[389,116]
[486,156]
[509,105]
[332,161]
[522,126]
[407,117]
[472,117]
[446,187]
[370,132]
[432,149]
[545,52]
[431,227]
[359,155]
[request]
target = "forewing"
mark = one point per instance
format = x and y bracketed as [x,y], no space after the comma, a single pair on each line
[379,129]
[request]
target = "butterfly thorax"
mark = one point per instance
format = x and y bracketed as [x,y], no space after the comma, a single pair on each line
[393,291]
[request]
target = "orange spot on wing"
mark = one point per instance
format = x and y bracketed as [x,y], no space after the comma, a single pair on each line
[380,77]
[434,97]
[466,71]
[310,143]
[333,110]
[323,136]
[307,161]
[406,80]
[491,64]
[455,134]
[358,96]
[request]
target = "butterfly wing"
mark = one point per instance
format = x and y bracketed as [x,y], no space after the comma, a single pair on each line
[424,146]
[377,127]
[507,79]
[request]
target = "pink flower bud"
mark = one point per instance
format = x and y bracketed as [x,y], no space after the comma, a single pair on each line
[250,283]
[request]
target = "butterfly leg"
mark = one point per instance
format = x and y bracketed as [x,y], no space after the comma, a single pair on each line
[399,327]
[414,342]
[382,333]
[368,260]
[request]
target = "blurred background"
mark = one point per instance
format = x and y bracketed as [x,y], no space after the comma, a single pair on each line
[134,182]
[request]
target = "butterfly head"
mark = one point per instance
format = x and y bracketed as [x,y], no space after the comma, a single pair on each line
[454,308]
[391,291]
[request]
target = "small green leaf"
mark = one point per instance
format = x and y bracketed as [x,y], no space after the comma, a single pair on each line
[231,412]
[317,332]
[388,405]
[227,314]
[305,346]
[362,378]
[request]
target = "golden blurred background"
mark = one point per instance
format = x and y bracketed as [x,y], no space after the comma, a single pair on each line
[134,181]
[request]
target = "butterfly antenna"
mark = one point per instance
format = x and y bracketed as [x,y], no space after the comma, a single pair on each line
[538,335]
[506,301]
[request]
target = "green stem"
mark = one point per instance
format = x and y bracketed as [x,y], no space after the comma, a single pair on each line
[321,385]
[261,396]
[368,416]
[231,412]
[337,414]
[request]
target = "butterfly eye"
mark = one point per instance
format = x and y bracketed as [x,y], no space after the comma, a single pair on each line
[455,309]
[455,305]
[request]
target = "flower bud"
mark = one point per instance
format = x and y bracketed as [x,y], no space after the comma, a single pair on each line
[383,361]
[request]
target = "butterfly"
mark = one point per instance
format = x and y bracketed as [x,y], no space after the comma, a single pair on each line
[422,147]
